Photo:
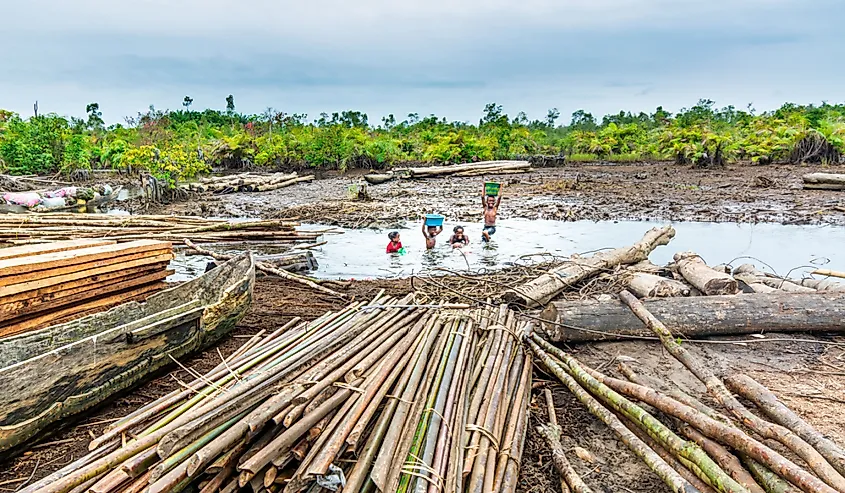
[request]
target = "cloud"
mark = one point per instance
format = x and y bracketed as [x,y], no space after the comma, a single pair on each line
[435,56]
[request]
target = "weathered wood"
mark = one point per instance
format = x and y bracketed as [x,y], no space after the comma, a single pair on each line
[541,290]
[485,166]
[751,275]
[824,186]
[92,269]
[57,246]
[21,265]
[698,316]
[824,179]
[748,283]
[82,293]
[707,280]
[651,286]
[61,370]
[27,322]
[93,281]
[823,285]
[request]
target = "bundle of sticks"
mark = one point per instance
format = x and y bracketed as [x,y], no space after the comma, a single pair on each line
[700,449]
[50,283]
[386,395]
[32,228]
[246,182]
[472,169]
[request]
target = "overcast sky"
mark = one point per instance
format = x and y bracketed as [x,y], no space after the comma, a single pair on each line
[447,57]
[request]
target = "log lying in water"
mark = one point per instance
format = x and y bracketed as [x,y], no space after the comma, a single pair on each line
[707,280]
[651,286]
[544,288]
[824,181]
[698,316]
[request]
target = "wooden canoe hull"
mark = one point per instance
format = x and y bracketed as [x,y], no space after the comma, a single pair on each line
[59,371]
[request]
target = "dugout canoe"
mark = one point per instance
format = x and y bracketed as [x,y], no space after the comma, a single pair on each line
[58,371]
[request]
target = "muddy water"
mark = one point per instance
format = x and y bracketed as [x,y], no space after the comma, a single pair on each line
[361,253]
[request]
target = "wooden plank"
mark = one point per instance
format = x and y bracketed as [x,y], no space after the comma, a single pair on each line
[63,314]
[23,265]
[56,246]
[26,282]
[98,279]
[83,293]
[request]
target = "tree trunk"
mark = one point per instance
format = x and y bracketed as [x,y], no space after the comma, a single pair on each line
[709,281]
[592,320]
[651,286]
[541,290]
[824,179]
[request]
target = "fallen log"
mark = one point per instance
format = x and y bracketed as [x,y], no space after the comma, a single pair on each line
[652,286]
[823,285]
[482,167]
[750,274]
[707,280]
[542,289]
[591,320]
[824,181]
[752,284]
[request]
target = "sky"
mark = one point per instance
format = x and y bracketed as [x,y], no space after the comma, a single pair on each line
[443,57]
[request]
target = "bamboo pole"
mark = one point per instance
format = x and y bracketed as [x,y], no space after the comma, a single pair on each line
[718,390]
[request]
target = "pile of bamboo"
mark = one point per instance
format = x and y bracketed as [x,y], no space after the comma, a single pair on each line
[472,169]
[824,181]
[387,396]
[50,283]
[700,449]
[245,182]
[33,228]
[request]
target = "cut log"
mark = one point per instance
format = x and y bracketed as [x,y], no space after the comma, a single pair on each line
[709,281]
[701,316]
[485,167]
[824,181]
[751,284]
[541,290]
[651,286]
[823,285]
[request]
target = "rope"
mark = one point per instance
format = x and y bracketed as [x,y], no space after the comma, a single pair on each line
[349,387]
[494,442]
[410,468]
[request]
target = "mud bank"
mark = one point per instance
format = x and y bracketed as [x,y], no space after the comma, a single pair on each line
[657,192]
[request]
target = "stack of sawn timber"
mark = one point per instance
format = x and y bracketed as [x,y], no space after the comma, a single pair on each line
[472,169]
[50,283]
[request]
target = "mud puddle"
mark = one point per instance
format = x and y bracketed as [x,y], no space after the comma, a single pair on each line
[360,253]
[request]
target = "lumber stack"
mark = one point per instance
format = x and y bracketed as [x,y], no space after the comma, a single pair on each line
[31,228]
[824,181]
[472,169]
[389,394]
[246,182]
[51,283]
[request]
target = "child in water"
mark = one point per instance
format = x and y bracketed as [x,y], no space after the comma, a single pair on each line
[491,208]
[395,244]
[430,232]
[459,239]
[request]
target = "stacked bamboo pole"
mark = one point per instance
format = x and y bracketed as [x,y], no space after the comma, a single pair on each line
[386,394]
[28,228]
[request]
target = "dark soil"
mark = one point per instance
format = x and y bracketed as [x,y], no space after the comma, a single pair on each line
[578,192]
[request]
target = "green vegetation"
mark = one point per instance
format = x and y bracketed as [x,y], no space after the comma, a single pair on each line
[177,145]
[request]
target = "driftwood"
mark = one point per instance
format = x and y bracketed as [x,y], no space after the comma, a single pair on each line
[652,286]
[752,275]
[824,181]
[823,285]
[541,290]
[707,280]
[700,316]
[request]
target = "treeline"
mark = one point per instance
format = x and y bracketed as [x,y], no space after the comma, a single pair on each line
[175,145]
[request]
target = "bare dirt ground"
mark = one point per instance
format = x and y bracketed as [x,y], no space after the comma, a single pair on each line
[597,192]
[808,374]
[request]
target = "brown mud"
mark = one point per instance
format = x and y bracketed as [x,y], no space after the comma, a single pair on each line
[808,376]
[657,191]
